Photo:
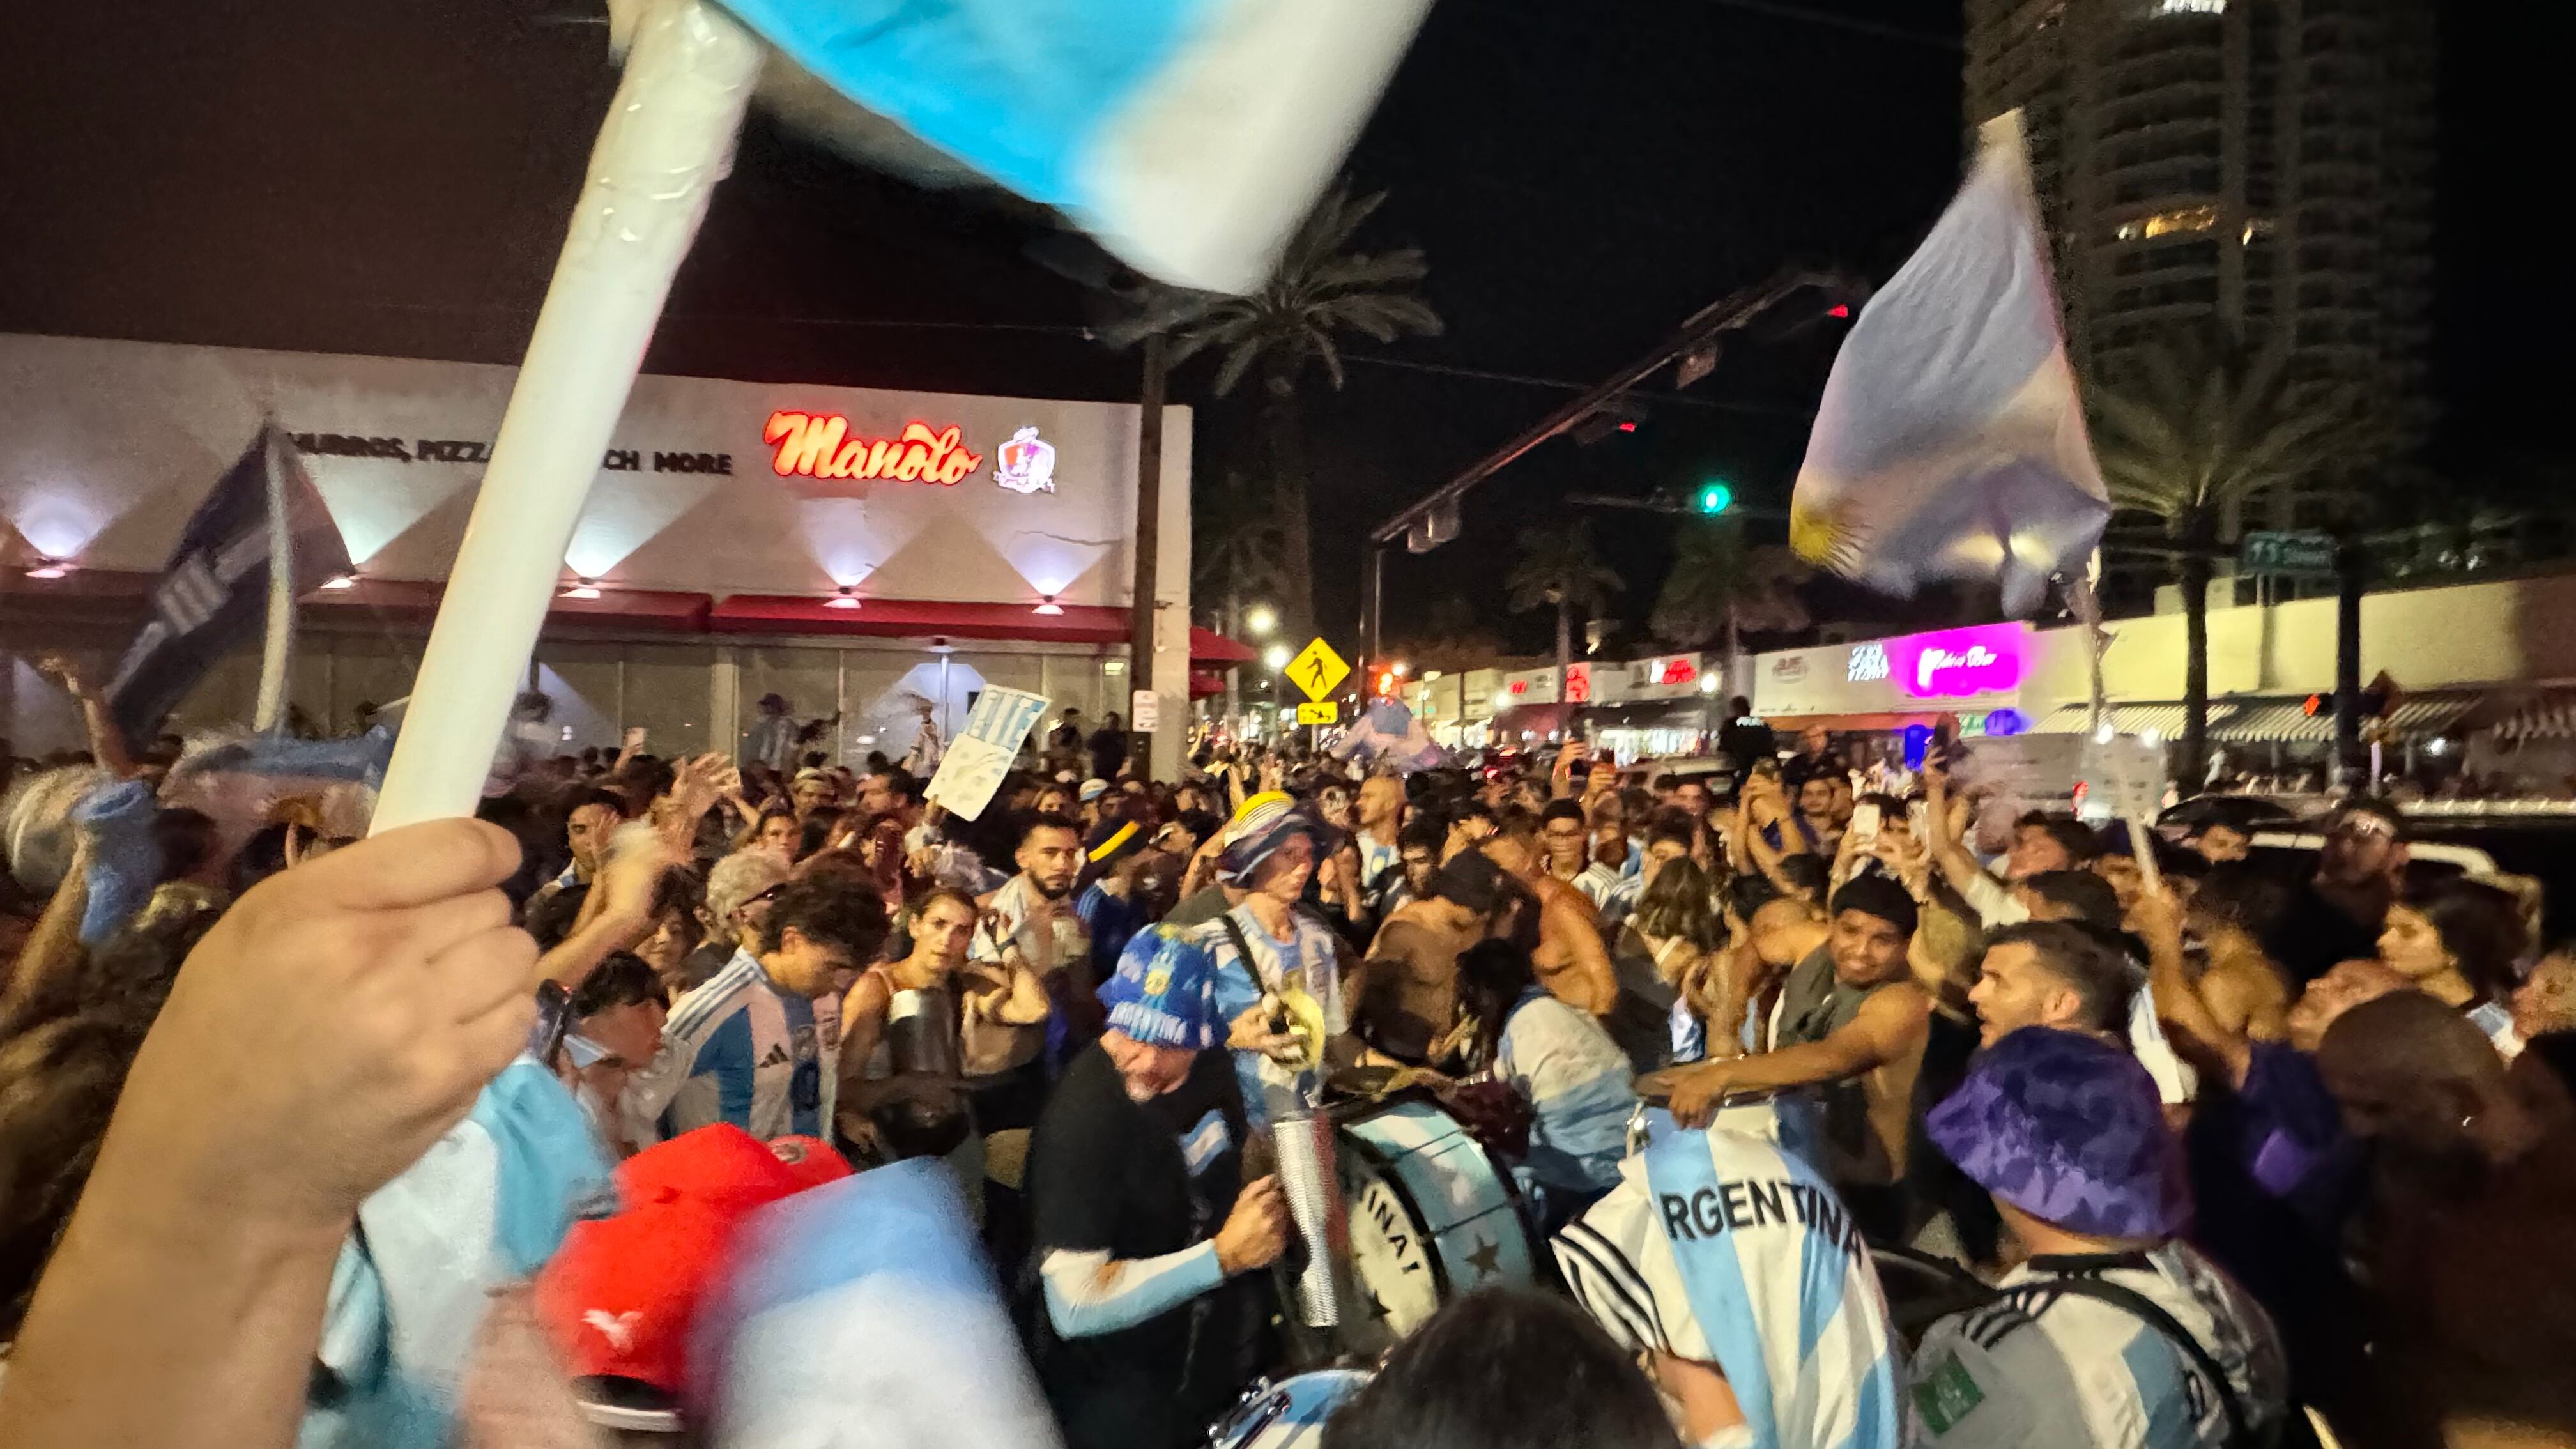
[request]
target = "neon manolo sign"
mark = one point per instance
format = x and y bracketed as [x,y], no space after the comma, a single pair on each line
[812,446]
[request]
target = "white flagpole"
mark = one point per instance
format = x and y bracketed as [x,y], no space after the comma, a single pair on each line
[667,141]
[271,709]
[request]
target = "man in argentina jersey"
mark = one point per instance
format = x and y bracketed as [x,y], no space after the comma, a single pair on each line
[2068,1134]
[743,1047]
[1738,1272]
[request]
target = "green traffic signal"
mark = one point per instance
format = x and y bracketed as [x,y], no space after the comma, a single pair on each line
[1715,497]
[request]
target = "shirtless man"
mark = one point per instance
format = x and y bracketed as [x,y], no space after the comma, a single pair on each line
[1852,1023]
[1572,962]
[1408,989]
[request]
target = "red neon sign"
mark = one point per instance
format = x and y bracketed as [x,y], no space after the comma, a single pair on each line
[823,447]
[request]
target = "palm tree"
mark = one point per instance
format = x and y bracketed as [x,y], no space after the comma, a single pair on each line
[1321,291]
[1719,585]
[2202,426]
[1559,570]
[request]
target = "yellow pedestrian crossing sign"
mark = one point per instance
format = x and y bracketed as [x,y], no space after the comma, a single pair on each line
[1316,669]
[1324,713]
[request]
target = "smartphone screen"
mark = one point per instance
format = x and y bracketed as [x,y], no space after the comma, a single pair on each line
[1864,824]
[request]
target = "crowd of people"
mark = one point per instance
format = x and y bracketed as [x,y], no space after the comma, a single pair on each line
[2019,1131]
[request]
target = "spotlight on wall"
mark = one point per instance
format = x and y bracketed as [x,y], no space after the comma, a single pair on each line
[1048,606]
[341,581]
[582,588]
[48,568]
[849,599]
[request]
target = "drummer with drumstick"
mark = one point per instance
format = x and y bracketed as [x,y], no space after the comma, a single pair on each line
[1132,1191]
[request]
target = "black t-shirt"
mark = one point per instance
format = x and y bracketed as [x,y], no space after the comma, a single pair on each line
[2313,935]
[1109,1173]
[1746,743]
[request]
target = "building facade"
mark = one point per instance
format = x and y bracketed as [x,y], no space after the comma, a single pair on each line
[865,554]
[2263,167]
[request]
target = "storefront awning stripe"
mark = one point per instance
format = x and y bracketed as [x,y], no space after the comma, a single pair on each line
[2421,717]
[2286,722]
[2164,719]
[2552,716]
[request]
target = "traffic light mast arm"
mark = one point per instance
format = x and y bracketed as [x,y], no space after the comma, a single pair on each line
[1732,509]
[1729,313]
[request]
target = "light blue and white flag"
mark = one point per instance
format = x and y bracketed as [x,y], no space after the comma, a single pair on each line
[1388,733]
[862,1312]
[487,1205]
[1950,442]
[1188,136]
[1719,1247]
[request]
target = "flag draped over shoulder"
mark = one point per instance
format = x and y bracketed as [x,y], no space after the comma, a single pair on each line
[1950,443]
[1188,136]
[213,592]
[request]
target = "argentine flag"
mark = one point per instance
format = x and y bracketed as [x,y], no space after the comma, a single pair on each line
[1719,1247]
[1188,136]
[1950,443]
[862,1312]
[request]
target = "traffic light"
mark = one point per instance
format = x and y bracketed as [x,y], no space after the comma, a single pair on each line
[1713,499]
[1386,683]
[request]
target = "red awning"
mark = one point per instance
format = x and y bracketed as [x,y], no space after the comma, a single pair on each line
[683,613]
[907,618]
[1204,685]
[623,609]
[1210,647]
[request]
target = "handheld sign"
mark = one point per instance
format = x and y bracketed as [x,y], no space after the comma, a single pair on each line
[982,753]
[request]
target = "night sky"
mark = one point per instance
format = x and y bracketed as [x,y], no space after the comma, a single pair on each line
[394,179]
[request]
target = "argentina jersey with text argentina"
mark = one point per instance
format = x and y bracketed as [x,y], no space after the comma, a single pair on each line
[1718,1247]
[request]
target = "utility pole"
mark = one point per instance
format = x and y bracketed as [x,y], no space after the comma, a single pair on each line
[1149,539]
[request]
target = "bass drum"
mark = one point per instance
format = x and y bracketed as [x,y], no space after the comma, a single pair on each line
[1288,1414]
[1431,1219]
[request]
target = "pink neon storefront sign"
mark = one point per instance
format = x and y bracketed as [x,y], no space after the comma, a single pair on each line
[1959,663]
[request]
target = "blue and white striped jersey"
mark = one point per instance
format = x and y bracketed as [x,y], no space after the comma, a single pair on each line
[1613,892]
[1309,959]
[740,1050]
[1718,1247]
[1580,1088]
[2034,1367]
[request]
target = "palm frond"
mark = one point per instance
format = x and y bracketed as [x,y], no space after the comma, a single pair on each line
[1239,359]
